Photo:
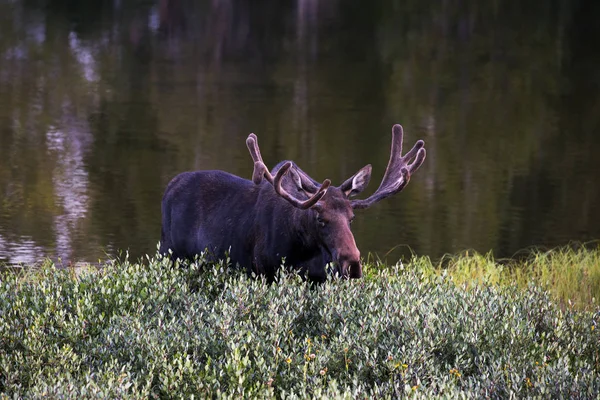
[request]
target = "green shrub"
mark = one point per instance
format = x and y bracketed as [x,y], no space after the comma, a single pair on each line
[148,330]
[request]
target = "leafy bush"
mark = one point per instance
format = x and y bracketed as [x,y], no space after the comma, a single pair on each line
[148,330]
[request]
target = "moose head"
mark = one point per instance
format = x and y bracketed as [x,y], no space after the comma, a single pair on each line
[330,209]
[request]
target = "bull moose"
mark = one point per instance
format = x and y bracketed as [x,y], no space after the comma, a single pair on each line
[280,217]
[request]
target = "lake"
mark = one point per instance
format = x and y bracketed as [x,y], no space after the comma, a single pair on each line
[103,102]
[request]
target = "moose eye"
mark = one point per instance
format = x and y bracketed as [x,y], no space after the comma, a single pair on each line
[321,221]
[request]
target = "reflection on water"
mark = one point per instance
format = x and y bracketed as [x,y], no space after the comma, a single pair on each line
[102,103]
[21,250]
[70,182]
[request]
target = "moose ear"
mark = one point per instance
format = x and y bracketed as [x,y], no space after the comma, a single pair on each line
[357,183]
[295,178]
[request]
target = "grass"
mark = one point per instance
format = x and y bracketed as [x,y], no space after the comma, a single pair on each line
[467,327]
[570,275]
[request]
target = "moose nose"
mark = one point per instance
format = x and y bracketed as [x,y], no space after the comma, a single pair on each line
[355,270]
[350,265]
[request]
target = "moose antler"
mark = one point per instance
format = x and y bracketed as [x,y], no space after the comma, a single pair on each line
[295,201]
[261,170]
[398,171]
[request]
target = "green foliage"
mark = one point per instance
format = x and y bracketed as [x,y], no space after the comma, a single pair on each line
[146,329]
[571,275]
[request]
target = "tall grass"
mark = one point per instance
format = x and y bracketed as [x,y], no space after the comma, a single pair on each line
[571,275]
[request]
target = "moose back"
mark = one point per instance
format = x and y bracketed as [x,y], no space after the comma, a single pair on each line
[281,214]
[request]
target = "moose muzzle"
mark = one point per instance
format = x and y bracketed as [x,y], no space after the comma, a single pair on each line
[349,265]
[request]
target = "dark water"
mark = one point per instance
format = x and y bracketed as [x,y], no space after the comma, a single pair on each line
[103,102]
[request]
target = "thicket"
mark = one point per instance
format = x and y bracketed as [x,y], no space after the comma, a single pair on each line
[149,330]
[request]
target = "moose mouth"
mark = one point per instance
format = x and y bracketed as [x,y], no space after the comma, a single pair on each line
[347,270]
[343,268]
[352,271]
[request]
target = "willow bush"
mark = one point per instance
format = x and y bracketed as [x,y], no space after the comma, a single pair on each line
[149,330]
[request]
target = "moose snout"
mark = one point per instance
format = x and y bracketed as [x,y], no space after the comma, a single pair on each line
[350,266]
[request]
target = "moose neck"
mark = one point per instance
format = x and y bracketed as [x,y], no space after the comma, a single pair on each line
[301,231]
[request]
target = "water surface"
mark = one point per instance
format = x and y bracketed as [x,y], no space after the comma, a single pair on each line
[102,103]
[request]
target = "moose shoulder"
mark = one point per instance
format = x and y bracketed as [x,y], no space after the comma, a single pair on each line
[282,214]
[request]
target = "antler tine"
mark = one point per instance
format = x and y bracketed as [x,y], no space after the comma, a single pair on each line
[260,169]
[398,171]
[255,151]
[421,154]
[293,200]
[396,160]
[397,139]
